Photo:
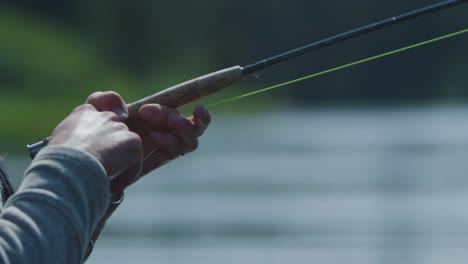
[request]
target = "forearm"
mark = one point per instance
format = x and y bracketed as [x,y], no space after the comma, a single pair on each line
[52,216]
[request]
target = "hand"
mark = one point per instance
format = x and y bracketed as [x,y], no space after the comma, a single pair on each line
[104,136]
[165,134]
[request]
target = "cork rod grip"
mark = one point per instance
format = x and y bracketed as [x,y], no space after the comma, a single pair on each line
[190,91]
[175,96]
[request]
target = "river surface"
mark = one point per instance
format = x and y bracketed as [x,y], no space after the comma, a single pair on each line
[350,185]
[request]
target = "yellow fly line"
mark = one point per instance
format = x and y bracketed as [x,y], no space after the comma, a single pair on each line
[423,43]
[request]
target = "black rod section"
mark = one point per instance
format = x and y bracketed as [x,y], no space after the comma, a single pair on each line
[249,69]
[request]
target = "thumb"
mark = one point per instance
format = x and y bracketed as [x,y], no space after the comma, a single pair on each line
[109,101]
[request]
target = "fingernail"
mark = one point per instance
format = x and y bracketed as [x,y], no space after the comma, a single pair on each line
[120,113]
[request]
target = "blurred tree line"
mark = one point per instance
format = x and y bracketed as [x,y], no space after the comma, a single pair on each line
[53,53]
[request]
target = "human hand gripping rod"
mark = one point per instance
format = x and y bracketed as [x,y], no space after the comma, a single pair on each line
[175,96]
[203,86]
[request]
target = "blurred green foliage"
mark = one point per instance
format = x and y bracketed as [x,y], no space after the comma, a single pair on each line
[53,54]
[45,71]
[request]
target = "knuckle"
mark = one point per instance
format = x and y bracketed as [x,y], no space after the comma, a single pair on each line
[134,139]
[123,127]
[84,107]
[92,98]
[110,116]
[134,136]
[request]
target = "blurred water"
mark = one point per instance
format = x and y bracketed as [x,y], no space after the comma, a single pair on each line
[318,186]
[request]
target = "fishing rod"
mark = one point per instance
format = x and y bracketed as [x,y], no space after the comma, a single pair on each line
[203,86]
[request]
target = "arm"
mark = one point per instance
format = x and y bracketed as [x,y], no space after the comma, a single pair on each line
[65,191]
[51,217]
[63,202]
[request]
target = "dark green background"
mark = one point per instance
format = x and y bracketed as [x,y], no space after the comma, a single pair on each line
[53,54]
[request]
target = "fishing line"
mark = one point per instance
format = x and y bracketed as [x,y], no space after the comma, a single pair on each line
[331,70]
[203,86]
[420,44]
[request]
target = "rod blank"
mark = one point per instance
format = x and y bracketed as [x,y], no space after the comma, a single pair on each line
[349,35]
[203,86]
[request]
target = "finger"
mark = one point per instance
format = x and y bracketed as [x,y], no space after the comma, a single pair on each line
[157,115]
[201,119]
[181,126]
[109,101]
[167,145]
[188,144]
[186,132]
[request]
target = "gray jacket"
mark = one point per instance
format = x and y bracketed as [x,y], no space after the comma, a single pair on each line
[57,212]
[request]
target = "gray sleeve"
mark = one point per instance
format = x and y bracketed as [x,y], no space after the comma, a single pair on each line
[115,202]
[51,218]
